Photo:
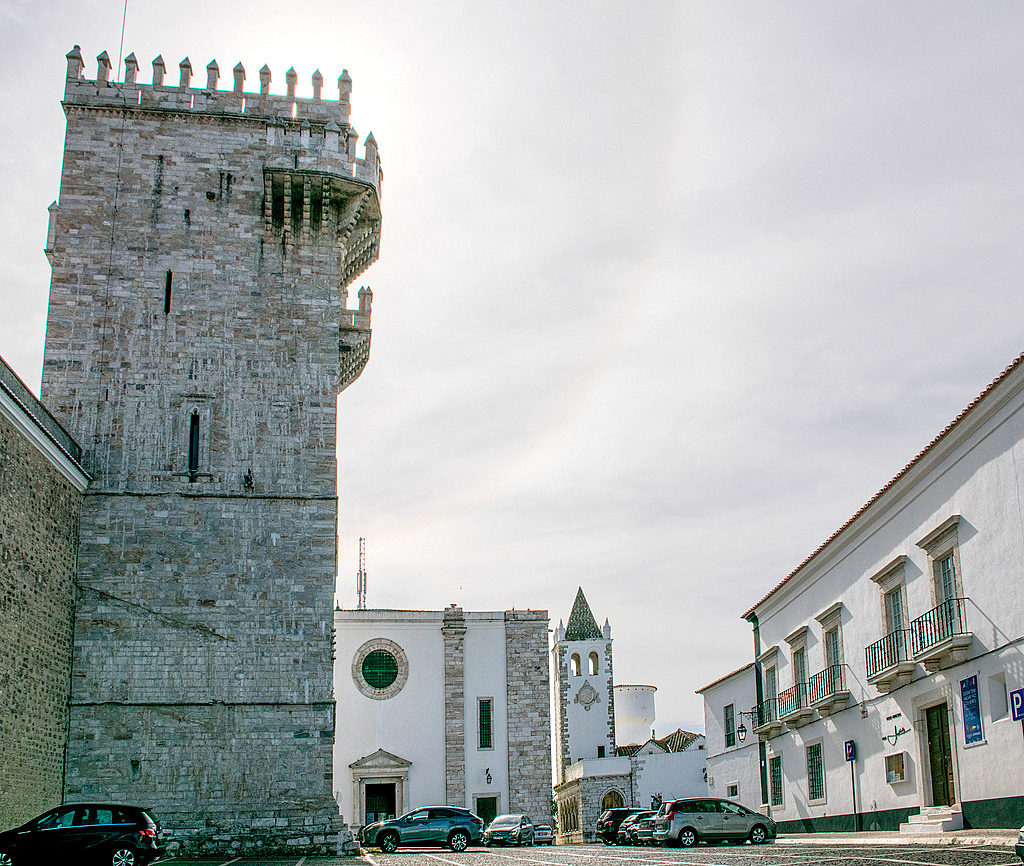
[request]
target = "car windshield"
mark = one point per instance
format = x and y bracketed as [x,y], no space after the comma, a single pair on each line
[505,821]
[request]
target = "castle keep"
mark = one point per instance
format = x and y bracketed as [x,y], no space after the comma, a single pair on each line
[198,336]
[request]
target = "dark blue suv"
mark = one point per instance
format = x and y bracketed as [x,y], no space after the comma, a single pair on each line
[430,825]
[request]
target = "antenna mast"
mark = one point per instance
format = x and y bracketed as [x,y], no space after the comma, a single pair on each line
[361,577]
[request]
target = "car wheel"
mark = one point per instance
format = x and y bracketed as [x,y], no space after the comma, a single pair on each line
[607,841]
[122,857]
[758,834]
[458,841]
[6,859]
[388,843]
[687,837]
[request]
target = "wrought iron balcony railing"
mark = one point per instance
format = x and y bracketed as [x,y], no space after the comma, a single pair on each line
[887,652]
[792,700]
[767,712]
[939,624]
[826,684]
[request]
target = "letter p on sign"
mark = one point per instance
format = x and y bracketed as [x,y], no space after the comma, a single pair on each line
[1017,705]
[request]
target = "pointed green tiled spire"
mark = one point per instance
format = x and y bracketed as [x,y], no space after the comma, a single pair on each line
[582,625]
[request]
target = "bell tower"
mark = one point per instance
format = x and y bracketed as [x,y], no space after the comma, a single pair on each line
[584,702]
[198,335]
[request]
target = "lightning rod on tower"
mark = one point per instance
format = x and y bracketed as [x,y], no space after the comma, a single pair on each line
[361,577]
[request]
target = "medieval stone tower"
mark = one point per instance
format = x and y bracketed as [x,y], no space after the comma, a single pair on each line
[198,337]
[584,694]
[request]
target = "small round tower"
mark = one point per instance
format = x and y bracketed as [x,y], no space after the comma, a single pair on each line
[634,714]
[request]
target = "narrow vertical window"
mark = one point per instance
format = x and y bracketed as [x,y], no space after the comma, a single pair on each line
[775,775]
[593,664]
[832,654]
[167,292]
[815,773]
[729,715]
[485,714]
[947,578]
[575,661]
[193,446]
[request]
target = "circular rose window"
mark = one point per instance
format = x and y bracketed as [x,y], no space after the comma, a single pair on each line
[380,669]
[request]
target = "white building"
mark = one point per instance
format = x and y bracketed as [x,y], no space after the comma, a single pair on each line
[594,769]
[903,636]
[730,744]
[441,707]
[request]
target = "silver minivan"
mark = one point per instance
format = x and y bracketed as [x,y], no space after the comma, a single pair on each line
[687,822]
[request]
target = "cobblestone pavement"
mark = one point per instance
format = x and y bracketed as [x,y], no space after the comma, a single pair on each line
[703,855]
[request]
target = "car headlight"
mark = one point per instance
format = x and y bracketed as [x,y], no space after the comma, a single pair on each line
[1020,837]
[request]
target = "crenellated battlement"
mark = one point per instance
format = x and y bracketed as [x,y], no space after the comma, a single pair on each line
[314,130]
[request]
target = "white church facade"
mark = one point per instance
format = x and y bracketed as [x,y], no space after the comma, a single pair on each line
[605,752]
[439,707]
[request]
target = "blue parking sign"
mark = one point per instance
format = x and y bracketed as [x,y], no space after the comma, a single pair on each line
[1017,705]
[851,750]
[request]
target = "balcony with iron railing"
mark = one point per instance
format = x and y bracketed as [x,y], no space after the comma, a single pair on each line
[826,690]
[768,724]
[888,661]
[794,708]
[941,638]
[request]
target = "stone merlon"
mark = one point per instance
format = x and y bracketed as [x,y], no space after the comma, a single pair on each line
[286,113]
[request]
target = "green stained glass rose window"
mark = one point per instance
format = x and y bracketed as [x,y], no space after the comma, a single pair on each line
[380,669]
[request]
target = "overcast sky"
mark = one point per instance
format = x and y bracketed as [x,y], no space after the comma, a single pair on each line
[667,290]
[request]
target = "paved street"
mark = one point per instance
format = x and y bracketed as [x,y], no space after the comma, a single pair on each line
[703,855]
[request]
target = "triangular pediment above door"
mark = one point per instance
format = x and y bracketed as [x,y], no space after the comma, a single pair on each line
[380,760]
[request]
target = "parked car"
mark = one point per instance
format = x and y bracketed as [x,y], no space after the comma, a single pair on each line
[609,821]
[643,831]
[424,827]
[543,834]
[688,822]
[1019,847]
[627,829]
[85,832]
[509,830]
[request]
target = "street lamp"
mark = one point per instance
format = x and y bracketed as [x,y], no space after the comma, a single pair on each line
[741,731]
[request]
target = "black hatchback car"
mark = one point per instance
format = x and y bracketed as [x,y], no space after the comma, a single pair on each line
[608,823]
[85,832]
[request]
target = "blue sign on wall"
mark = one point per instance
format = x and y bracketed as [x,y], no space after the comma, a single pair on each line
[851,750]
[1017,704]
[972,710]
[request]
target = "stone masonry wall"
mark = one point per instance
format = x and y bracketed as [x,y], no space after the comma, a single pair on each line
[529,713]
[38,545]
[559,654]
[453,632]
[611,697]
[198,336]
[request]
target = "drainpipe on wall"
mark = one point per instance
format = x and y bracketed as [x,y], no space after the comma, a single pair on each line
[762,755]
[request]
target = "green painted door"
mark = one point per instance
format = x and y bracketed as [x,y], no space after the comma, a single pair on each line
[940,758]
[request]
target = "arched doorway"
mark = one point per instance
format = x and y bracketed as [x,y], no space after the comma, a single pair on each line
[612,800]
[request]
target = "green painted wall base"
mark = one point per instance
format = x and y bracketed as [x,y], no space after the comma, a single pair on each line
[997,813]
[884,819]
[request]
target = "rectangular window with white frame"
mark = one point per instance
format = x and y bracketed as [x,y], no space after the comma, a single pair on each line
[942,545]
[775,779]
[485,717]
[815,773]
